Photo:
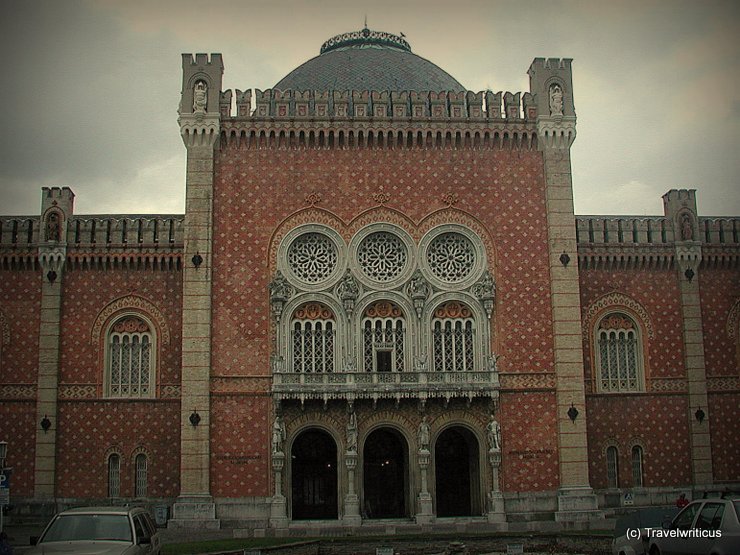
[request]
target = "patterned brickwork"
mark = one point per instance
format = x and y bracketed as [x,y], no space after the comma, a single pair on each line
[658,423]
[20,303]
[88,292]
[725,433]
[720,289]
[657,292]
[257,189]
[529,437]
[240,446]
[88,431]
[18,428]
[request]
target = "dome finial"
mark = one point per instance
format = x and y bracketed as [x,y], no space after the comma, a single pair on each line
[365,21]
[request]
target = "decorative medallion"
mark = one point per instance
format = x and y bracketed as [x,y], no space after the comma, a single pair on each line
[312,257]
[452,309]
[382,256]
[451,257]
[313,311]
[383,309]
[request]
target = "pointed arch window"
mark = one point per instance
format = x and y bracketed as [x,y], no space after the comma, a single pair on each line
[313,335]
[140,479]
[383,338]
[130,361]
[637,466]
[453,336]
[612,467]
[619,358]
[114,475]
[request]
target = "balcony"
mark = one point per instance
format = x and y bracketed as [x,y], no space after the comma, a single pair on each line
[420,384]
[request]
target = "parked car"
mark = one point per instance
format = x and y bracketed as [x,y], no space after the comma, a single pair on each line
[100,530]
[704,527]
[625,543]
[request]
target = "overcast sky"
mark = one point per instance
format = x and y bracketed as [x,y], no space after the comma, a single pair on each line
[90,89]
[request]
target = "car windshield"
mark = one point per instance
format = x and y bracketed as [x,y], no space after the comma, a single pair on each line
[89,527]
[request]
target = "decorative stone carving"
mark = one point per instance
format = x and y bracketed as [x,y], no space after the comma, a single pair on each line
[493,434]
[348,290]
[556,100]
[200,98]
[424,435]
[352,432]
[418,289]
[382,256]
[451,257]
[485,291]
[280,292]
[312,257]
[53,226]
[687,228]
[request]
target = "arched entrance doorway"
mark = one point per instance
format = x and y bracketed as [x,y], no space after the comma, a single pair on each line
[385,464]
[314,476]
[457,475]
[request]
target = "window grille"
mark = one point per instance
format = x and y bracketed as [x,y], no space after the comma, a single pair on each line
[451,257]
[619,354]
[382,256]
[141,475]
[312,257]
[314,332]
[453,338]
[383,338]
[637,466]
[129,372]
[114,475]
[612,467]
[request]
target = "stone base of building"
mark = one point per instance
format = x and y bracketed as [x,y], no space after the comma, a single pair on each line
[578,507]
[194,513]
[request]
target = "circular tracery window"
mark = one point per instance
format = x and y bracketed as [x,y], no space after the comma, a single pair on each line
[451,257]
[312,257]
[382,256]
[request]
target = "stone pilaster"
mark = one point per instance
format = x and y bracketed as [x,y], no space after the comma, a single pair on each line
[199,127]
[680,208]
[551,85]
[56,208]
[425,511]
[351,500]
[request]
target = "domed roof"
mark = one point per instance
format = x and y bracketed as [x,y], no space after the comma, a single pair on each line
[368,60]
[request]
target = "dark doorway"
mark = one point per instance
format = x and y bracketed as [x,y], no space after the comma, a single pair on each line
[384,475]
[314,476]
[456,471]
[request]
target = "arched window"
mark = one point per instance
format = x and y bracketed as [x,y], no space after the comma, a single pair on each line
[114,475]
[140,481]
[130,361]
[637,466]
[383,337]
[453,336]
[619,354]
[612,467]
[314,330]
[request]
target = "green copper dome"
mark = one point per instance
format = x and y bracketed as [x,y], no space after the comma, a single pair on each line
[368,60]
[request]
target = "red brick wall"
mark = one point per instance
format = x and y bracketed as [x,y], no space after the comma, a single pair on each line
[530,443]
[88,429]
[725,433]
[719,291]
[18,427]
[658,422]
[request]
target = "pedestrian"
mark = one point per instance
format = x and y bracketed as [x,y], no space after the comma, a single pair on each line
[681,502]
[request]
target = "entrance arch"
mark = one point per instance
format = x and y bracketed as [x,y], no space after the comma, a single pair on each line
[314,476]
[385,474]
[457,473]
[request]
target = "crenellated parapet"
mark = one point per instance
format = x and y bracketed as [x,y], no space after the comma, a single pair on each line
[625,241]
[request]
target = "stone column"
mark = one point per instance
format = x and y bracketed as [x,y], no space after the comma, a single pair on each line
[351,501]
[278,505]
[56,209]
[199,127]
[496,511]
[551,85]
[425,511]
[680,208]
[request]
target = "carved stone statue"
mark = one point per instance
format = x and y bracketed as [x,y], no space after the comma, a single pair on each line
[556,100]
[278,435]
[493,432]
[418,286]
[485,289]
[352,433]
[348,288]
[200,98]
[53,227]
[424,434]
[279,287]
[687,230]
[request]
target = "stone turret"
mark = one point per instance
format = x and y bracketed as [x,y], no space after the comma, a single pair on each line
[551,85]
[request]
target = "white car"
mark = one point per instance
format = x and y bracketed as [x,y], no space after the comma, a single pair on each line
[100,531]
[631,529]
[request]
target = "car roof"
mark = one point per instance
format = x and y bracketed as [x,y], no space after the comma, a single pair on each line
[101,510]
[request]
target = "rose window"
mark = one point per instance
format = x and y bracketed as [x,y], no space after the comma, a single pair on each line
[382,256]
[451,257]
[312,257]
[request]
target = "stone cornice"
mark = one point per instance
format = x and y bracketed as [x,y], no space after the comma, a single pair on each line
[199,130]
[556,132]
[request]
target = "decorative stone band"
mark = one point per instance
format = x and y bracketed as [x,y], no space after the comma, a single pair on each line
[527,381]
[723,383]
[556,133]
[198,130]
[25,392]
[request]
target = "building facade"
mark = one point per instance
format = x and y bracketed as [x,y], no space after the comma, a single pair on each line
[378,304]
